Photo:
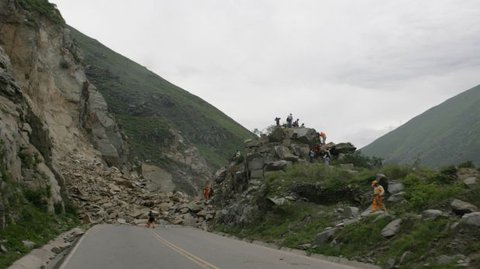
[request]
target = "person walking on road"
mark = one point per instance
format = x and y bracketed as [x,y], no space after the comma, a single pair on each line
[151,220]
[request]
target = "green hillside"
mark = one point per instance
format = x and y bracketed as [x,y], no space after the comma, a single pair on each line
[147,106]
[445,134]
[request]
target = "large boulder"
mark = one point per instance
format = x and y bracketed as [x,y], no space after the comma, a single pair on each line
[255,161]
[305,135]
[343,148]
[395,187]
[277,165]
[351,212]
[284,153]
[300,150]
[278,135]
[432,213]
[471,182]
[220,175]
[323,237]
[397,197]
[472,219]
[252,143]
[460,207]
[392,228]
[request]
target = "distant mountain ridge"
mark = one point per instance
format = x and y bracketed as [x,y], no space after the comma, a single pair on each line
[448,133]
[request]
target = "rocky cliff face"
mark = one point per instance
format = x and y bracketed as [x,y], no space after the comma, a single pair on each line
[46,67]
[240,186]
[48,108]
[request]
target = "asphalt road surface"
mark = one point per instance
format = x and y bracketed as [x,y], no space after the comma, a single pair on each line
[124,246]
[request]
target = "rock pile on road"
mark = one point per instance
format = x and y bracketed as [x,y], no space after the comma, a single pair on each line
[104,194]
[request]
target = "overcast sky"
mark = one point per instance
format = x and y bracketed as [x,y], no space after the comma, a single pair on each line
[354,69]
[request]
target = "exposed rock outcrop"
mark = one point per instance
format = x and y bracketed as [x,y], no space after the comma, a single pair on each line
[241,185]
[63,105]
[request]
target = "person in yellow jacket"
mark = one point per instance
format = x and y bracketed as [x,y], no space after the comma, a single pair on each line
[377,202]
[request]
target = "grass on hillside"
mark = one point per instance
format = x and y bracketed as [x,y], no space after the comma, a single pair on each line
[27,219]
[43,7]
[445,134]
[297,223]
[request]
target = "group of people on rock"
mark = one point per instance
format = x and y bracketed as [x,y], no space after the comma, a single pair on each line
[290,122]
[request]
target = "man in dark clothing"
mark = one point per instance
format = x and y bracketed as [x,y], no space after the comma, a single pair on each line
[277,120]
[289,120]
[151,220]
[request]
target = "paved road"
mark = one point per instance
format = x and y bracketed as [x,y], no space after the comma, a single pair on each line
[123,246]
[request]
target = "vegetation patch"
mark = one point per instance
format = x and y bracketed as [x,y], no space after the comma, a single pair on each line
[26,217]
[43,7]
[298,223]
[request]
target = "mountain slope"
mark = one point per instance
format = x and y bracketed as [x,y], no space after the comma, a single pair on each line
[148,107]
[445,134]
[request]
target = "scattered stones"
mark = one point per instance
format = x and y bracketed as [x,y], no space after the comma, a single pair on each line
[277,201]
[277,165]
[472,219]
[390,264]
[305,246]
[392,228]
[28,244]
[323,237]
[397,197]
[432,213]
[395,187]
[351,212]
[405,256]
[107,195]
[471,182]
[445,259]
[460,207]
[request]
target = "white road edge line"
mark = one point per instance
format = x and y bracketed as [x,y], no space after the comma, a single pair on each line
[67,259]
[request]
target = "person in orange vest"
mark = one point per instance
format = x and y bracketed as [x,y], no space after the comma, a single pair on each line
[323,137]
[377,202]
[206,192]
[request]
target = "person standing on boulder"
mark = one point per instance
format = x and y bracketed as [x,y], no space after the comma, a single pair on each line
[323,137]
[277,121]
[377,201]
[295,123]
[289,120]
